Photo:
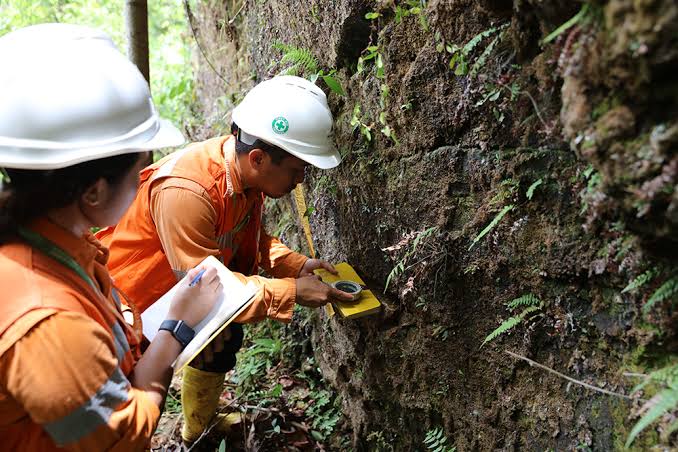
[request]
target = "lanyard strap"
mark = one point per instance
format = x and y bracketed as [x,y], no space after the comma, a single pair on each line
[52,250]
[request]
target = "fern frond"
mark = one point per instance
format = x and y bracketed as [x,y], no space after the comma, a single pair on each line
[299,59]
[492,224]
[640,280]
[510,323]
[469,46]
[664,401]
[666,375]
[436,441]
[480,62]
[525,300]
[665,291]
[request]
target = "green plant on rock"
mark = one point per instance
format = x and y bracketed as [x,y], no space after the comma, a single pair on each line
[325,412]
[369,54]
[640,280]
[532,188]
[383,103]
[461,61]
[665,401]
[380,443]
[301,62]
[411,8]
[593,183]
[667,291]
[436,441]
[441,333]
[358,124]
[531,304]
[492,224]
[577,18]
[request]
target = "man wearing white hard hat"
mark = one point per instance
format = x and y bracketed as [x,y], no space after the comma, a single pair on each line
[208,199]
[77,124]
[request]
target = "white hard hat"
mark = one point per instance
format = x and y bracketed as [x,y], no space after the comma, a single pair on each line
[291,113]
[67,95]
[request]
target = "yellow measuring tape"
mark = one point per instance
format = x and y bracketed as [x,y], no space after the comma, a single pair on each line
[300,201]
[301,210]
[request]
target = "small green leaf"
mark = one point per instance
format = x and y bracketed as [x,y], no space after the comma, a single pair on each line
[380,66]
[334,85]
[530,190]
[372,15]
[492,224]
[222,446]
[462,67]
[309,211]
[570,23]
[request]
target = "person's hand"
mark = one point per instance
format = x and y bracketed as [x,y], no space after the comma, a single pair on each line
[216,346]
[313,293]
[192,304]
[314,264]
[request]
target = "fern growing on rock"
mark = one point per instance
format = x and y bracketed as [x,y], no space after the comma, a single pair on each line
[666,291]
[640,280]
[532,304]
[298,61]
[665,401]
[301,62]
[436,441]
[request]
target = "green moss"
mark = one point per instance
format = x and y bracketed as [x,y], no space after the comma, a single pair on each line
[622,426]
[527,423]
[606,105]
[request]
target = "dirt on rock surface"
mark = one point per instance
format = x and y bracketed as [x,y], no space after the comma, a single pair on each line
[461,116]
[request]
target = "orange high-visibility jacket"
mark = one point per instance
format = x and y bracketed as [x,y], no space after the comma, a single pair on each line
[191,205]
[66,352]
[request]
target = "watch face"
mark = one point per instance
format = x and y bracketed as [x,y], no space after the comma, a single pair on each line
[184,333]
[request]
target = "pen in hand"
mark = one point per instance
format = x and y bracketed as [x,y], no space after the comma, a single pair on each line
[197,278]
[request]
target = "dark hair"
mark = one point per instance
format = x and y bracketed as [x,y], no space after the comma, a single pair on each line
[277,154]
[31,193]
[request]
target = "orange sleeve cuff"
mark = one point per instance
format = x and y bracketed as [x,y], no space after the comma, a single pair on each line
[284,298]
[275,299]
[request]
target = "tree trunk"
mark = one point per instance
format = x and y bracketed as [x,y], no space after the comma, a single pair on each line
[136,21]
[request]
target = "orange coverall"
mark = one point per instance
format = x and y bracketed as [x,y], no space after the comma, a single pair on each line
[66,352]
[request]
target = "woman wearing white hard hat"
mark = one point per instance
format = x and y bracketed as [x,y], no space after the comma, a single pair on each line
[77,124]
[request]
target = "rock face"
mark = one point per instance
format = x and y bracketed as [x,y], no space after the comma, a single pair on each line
[462,117]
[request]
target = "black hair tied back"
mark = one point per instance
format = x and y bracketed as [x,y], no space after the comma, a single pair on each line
[26,195]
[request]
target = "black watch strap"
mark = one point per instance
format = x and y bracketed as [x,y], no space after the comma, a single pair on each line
[181,332]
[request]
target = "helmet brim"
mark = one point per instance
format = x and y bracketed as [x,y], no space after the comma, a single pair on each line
[168,136]
[34,158]
[323,162]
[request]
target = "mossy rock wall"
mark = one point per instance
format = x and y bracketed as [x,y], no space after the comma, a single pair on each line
[579,135]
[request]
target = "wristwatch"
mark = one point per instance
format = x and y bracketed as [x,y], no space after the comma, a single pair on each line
[181,332]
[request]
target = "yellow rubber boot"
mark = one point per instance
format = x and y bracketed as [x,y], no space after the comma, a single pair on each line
[200,392]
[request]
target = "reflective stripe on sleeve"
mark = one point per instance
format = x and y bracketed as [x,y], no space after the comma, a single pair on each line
[92,414]
[121,344]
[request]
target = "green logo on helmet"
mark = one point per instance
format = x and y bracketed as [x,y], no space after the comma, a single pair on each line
[280,125]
